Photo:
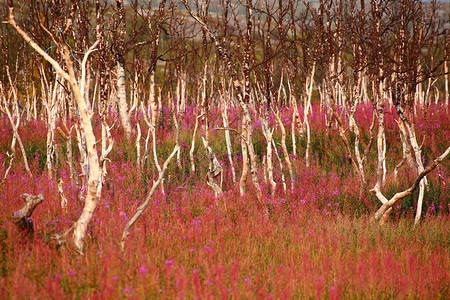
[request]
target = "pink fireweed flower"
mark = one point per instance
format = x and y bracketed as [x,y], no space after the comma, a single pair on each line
[169,262]
[208,282]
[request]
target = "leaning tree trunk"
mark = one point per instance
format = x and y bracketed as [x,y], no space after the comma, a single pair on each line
[383,212]
[94,178]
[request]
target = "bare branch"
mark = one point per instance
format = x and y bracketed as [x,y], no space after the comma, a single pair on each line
[143,206]
[398,196]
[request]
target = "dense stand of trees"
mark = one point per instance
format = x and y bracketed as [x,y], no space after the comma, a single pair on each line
[68,61]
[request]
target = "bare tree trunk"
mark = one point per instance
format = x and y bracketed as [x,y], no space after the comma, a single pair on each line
[251,150]
[148,122]
[388,204]
[224,112]
[120,70]
[285,151]
[122,99]
[406,149]
[155,158]
[381,140]
[243,93]
[307,109]
[51,107]
[446,90]
[417,154]
[420,168]
[191,151]
[153,100]
[138,145]
[80,227]
[280,162]
[10,156]
[245,163]
[4,107]
[334,91]
[94,180]
[107,145]
[268,135]
[294,124]
[67,135]
[177,139]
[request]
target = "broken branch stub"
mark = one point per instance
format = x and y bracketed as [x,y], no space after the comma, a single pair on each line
[215,170]
[22,218]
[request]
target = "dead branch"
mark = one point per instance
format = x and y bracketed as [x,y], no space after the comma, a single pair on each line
[143,206]
[384,209]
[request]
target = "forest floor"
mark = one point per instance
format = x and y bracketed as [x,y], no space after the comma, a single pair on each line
[317,240]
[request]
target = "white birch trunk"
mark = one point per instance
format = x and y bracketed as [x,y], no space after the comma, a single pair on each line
[268,135]
[224,112]
[285,151]
[122,100]
[245,163]
[15,127]
[80,227]
[307,110]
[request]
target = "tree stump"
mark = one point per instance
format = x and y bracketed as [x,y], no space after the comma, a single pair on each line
[22,218]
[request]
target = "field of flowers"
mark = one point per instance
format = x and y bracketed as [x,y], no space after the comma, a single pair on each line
[316,241]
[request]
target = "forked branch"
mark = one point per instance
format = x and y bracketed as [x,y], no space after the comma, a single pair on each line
[386,207]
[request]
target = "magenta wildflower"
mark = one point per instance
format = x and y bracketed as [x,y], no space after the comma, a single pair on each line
[208,282]
[169,262]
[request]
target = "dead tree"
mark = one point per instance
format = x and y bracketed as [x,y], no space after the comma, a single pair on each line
[14,118]
[94,180]
[403,57]
[384,211]
[243,89]
[120,54]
